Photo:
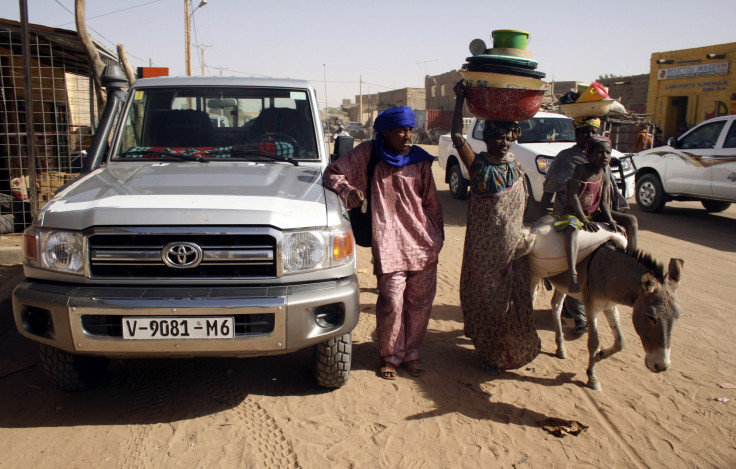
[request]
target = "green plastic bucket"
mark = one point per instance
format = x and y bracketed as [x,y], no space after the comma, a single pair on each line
[510,38]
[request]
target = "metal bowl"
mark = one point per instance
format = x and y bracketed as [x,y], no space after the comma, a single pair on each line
[503,104]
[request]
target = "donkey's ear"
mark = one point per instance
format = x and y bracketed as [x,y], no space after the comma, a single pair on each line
[674,272]
[648,282]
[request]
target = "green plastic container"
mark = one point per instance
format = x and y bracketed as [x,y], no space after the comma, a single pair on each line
[511,38]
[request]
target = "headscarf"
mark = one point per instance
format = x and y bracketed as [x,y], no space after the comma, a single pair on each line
[397,118]
[593,141]
[493,128]
[580,122]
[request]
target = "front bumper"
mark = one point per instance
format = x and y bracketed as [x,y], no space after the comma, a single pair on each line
[88,319]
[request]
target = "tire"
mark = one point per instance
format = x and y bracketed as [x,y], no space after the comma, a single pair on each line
[650,195]
[70,372]
[332,361]
[458,184]
[715,206]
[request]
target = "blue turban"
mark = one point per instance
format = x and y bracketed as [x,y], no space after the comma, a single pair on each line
[394,118]
[397,118]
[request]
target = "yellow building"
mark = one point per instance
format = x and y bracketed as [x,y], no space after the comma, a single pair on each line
[689,86]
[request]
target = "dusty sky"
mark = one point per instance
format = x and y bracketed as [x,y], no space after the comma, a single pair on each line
[389,44]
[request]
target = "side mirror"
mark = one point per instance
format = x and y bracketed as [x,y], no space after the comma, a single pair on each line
[343,145]
[672,141]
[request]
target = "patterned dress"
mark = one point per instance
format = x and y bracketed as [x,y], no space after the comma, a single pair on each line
[494,288]
[408,233]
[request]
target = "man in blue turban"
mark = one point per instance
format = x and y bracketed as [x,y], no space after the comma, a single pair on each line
[408,232]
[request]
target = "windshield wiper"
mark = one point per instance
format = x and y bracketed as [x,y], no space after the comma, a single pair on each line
[181,156]
[259,153]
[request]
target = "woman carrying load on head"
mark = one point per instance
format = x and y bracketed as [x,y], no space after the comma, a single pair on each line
[408,233]
[494,283]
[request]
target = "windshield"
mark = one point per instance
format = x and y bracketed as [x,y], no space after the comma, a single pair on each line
[546,130]
[210,122]
[539,130]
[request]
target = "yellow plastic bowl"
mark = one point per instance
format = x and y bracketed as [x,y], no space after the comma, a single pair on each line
[500,80]
[590,108]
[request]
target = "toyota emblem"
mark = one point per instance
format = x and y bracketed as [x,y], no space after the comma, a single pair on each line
[181,255]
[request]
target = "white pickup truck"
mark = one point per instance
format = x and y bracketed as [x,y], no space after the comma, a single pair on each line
[699,165]
[186,239]
[542,138]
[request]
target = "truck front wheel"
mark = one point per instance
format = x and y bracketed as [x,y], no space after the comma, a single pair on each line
[650,195]
[458,184]
[332,361]
[70,372]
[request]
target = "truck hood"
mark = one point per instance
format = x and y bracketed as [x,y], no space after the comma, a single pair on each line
[550,149]
[185,193]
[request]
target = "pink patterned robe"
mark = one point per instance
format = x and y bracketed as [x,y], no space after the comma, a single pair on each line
[408,233]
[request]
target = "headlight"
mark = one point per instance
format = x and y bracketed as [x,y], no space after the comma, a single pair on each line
[543,163]
[626,165]
[303,250]
[61,251]
[311,250]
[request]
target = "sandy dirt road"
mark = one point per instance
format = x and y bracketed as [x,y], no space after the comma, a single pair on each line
[223,413]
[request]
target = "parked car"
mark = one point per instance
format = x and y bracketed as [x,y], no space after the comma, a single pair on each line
[699,165]
[357,130]
[542,138]
[193,240]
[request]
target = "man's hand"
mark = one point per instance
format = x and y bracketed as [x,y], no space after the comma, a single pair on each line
[355,198]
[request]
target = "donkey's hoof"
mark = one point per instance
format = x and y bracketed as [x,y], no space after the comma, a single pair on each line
[594,385]
[561,354]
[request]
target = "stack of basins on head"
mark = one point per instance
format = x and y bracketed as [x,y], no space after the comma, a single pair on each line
[502,83]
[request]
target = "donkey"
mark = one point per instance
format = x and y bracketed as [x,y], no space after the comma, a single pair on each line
[610,277]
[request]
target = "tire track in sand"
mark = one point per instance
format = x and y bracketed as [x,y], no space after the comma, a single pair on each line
[254,434]
[265,444]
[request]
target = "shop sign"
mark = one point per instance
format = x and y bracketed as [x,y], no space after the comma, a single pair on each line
[718,68]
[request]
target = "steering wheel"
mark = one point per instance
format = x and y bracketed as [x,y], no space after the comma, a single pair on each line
[281,137]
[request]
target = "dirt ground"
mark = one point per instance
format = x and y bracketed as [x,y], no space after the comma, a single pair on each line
[266,412]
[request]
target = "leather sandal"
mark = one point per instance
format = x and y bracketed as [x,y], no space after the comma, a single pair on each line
[388,371]
[415,367]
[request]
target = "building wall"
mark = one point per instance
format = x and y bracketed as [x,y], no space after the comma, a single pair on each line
[689,86]
[439,93]
[373,104]
[630,91]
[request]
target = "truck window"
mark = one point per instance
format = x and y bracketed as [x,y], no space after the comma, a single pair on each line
[705,136]
[206,120]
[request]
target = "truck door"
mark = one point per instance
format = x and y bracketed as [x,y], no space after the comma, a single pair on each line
[724,165]
[689,168]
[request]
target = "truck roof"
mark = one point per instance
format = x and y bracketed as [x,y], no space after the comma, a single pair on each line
[550,115]
[223,82]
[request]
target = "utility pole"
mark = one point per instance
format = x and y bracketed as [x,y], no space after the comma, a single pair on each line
[187,58]
[187,34]
[360,97]
[425,62]
[202,47]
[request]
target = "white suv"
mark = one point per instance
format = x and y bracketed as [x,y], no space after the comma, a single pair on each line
[542,138]
[699,165]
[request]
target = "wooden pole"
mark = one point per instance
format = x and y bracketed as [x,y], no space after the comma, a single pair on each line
[187,43]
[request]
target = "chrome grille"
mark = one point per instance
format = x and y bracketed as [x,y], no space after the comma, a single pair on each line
[138,255]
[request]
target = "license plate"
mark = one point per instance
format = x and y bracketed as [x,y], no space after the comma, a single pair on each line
[178,328]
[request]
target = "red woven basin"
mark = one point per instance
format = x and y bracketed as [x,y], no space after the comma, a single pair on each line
[503,104]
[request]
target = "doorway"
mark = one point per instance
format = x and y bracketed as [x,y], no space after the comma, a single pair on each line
[676,116]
